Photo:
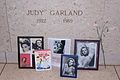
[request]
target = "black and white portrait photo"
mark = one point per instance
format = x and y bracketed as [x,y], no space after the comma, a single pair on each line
[37,43]
[68,66]
[24,44]
[58,47]
[26,47]
[88,53]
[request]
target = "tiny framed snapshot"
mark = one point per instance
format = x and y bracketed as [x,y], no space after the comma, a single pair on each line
[69,66]
[88,54]
[26,47]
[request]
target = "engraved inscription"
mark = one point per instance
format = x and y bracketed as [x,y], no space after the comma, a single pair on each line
[41,20]
[35,12]
[66,20]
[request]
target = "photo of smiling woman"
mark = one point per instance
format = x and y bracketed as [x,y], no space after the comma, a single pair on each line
[88,53]
[58,46]
[25,45]
[68,66]
[86,59]
[37,44]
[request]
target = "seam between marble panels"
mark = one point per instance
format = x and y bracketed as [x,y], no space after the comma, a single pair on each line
[3,69]
[117,73]
[4,64]
[8,25]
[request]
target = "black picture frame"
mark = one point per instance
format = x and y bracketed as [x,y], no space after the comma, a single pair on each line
[88,54]
[65,65]
[26,47]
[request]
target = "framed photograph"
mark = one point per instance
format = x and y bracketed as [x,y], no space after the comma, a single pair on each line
[26,47]
[69,66]
[43,60]
[88,54]
[58,47]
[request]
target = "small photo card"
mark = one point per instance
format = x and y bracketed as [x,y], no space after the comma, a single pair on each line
[69,66]
[42,60]
[58,47]
[25,60]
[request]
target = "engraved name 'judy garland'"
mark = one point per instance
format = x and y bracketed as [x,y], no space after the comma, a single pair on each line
[55,12]
[66,14]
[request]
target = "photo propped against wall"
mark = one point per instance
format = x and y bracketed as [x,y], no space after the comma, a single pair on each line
[58,47]
[88,54]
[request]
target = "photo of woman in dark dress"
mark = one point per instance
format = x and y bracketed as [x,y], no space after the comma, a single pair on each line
[58,46]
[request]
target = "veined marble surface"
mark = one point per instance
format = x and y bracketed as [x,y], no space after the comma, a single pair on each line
[82,27]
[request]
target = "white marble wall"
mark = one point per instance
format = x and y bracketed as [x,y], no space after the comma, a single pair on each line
[112,39]
[4,31]
[81,28]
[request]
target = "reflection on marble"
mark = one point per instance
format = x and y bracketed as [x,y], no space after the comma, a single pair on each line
[12,72]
